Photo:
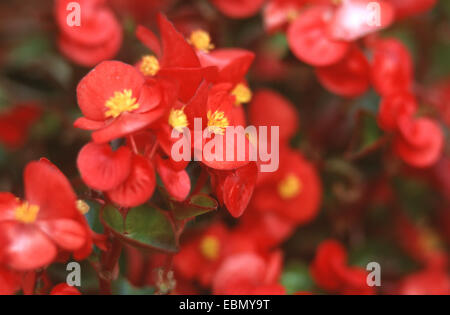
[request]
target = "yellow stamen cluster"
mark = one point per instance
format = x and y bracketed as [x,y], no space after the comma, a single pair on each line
[201,40]
[82,206]
[26,213]
[217,122]
[178,119]
[210,247]
[242,94]
[290,187]
[121,102]
[149,65]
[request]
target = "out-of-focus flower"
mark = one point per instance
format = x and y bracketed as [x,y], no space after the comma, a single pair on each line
[238,8]
[32,231]
[331,272]
[98,36]
[426,282]
[15,124]
[249,273]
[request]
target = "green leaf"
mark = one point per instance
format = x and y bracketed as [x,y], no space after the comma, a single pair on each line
[197,205]
[151,227]
[145,227]
[112,217]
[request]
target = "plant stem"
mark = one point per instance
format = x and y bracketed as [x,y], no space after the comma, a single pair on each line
[108,263]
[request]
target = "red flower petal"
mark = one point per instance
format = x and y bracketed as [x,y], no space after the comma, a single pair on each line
[394,107]
[331,256]
[176,51]
[233,64]
[86,124]
[420,143]
[126,124]
[68,234]
[139,186]
[177,183]
[269,108]
[309,40]
[238,8]
[102,168]
[42,179]
[89,56]
[350,77]
[98,23]
[8,204]
[238,188]
[392,67]
[149,39]
[24,246]
[102,82]
[9,281]
[64,289]
[353,19]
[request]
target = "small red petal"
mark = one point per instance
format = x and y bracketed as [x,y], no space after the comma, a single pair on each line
[139,186]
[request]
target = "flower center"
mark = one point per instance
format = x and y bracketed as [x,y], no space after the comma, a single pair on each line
[149,65]
[210,247]
[242,94]
[217,122]
[178,119]
[201,40]
[26,213]
[121,102]
[290,187]
[82,206]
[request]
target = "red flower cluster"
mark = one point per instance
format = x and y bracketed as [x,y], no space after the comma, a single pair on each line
[167,91]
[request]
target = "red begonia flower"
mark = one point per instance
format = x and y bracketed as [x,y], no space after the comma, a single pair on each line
[238,9]
[249,273]
[101,168]
[139,185]
[117,101]
[395,106]
[32,231]
[200,257]
[354,19]
[64,289]
[97,38]
[309,38]
[419,142]
[406,8]
[217,115]
[269,108]
[392,67]
[15,124]
[297,187]
[350,77]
